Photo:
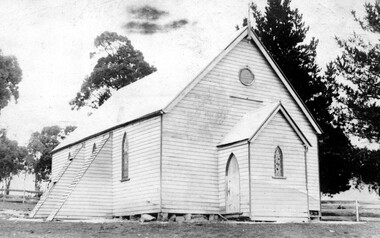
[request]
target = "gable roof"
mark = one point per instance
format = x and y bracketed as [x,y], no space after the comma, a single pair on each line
[161,91]
[137,100]
[275,67]
[252,123]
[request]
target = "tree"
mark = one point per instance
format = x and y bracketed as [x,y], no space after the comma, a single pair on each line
[366,169]
[283,33]
[39,148]
[11,158]
[119,65]
[358,94]
[10,77]
[359,66]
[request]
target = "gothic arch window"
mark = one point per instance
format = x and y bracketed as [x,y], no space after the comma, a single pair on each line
[124,157]
[278,163]
[93,148]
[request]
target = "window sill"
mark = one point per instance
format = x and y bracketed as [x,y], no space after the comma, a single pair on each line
[278,177]
[125,179]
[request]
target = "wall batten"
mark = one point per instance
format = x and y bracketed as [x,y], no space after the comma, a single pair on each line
[306,181]
[250,177]
[161,142]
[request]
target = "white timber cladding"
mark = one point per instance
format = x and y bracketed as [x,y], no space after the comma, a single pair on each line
[278,197]
[240,151]
[92,197]
[60,187]
[141,193]
[59,159]
[209,111]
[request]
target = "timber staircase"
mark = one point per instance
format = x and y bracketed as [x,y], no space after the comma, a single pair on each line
[54,180]
[69,189]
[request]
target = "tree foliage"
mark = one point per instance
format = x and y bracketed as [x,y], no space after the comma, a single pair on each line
[39,148]
[10,77]
[359,66]
[358,93]
[11,158]
[119,65]
[283,33]
[366,169]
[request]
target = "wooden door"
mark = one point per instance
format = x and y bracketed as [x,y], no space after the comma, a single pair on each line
[232,186]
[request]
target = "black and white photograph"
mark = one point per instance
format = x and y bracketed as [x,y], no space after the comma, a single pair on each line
[189,118]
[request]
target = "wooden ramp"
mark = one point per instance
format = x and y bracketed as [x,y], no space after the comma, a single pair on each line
[36,212]
[69,189]
[67,179]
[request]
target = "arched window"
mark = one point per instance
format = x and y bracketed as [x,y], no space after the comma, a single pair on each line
[93,148]
[278,163]
[124,157]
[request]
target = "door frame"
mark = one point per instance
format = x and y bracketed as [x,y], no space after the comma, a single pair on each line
[230,158]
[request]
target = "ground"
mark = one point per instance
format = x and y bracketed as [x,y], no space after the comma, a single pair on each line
[12,226]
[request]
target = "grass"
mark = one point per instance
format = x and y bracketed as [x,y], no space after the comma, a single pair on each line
[16,206]
[135,229]
[17,228]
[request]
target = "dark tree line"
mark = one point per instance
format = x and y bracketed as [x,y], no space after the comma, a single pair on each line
[358,93]
[283,32]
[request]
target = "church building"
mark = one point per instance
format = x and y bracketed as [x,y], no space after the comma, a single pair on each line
[230,138]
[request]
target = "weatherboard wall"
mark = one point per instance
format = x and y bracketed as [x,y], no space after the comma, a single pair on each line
[141,192]
[209,111]
[89,196]
[62,183]
[59,159]
[272,197]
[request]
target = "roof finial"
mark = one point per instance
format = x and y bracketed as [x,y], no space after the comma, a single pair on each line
[249,21]
[249,15]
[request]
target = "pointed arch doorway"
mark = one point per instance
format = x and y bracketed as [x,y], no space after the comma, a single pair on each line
[232,185]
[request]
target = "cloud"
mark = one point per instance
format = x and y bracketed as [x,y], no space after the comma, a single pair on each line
[147,27]
[176,24]
[144,21]
[147,13]
[143,27]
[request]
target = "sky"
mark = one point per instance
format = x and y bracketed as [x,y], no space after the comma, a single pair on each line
[52,41]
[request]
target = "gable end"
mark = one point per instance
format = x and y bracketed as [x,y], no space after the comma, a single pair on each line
[250,127]
[254,39]
[288,118]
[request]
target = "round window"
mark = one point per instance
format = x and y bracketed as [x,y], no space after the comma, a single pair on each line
[246,76]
